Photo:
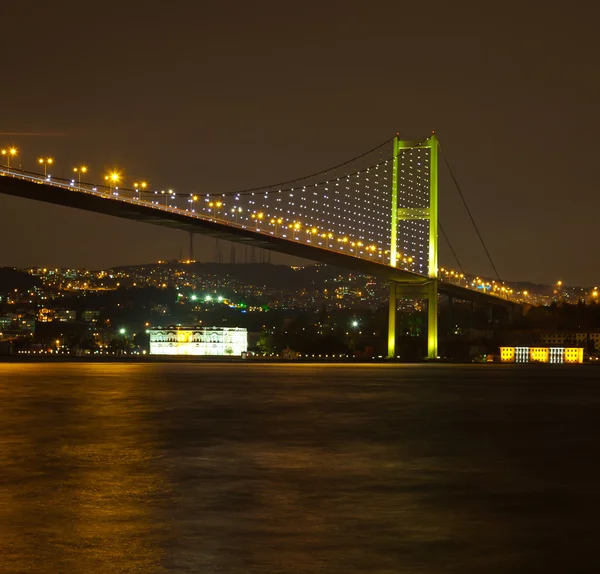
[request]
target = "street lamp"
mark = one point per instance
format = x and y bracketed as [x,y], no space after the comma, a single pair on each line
[137,185]
[295,227]
[192,200]
[167,194]
[237,211]
[79,170]
[45,161]
[113,178]
[8,153]
[259,217]
[276,222]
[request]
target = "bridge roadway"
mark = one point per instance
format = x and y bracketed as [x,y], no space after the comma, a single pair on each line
[36,187]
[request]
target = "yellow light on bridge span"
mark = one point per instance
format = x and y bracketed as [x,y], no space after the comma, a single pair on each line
[113,177]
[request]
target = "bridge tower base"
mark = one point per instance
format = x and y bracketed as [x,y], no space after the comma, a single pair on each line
[427,289]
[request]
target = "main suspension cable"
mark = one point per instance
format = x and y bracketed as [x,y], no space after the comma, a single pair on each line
[451,248]
[312,174]
[470,214]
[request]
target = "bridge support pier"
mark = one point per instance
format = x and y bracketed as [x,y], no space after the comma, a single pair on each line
[427,289]
[191,258]
[392,306]
[432,319]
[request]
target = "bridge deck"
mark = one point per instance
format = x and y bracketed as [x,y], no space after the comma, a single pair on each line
[142,211]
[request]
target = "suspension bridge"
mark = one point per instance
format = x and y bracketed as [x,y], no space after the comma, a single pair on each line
[375,214]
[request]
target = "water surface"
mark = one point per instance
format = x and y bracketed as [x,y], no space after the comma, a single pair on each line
[236,468]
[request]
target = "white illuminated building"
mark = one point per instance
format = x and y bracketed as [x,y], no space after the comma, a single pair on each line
[215,341]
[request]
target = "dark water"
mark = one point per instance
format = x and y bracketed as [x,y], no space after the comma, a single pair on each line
[285,468]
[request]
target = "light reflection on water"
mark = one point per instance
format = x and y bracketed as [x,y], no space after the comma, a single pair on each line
[283,468]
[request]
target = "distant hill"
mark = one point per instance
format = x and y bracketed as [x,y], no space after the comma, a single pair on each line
[267,274]
[11,279]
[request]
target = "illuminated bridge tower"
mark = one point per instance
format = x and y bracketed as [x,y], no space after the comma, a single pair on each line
[414,228]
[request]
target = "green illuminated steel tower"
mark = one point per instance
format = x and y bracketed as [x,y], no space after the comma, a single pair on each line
[426,287]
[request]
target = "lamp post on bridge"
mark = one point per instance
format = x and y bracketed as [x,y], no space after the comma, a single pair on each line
[79,170]
[8,153]
[137,185]
[237,211]
[167,194]
[258,217]
[45,161]
[192,200]
[276,222]
[113,178]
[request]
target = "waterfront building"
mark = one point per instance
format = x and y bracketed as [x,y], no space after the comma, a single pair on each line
[541,354]
[210,341]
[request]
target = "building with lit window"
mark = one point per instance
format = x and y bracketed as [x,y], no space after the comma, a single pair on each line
[541,354]
[207,341]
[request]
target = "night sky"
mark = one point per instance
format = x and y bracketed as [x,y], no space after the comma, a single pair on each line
[213,97]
